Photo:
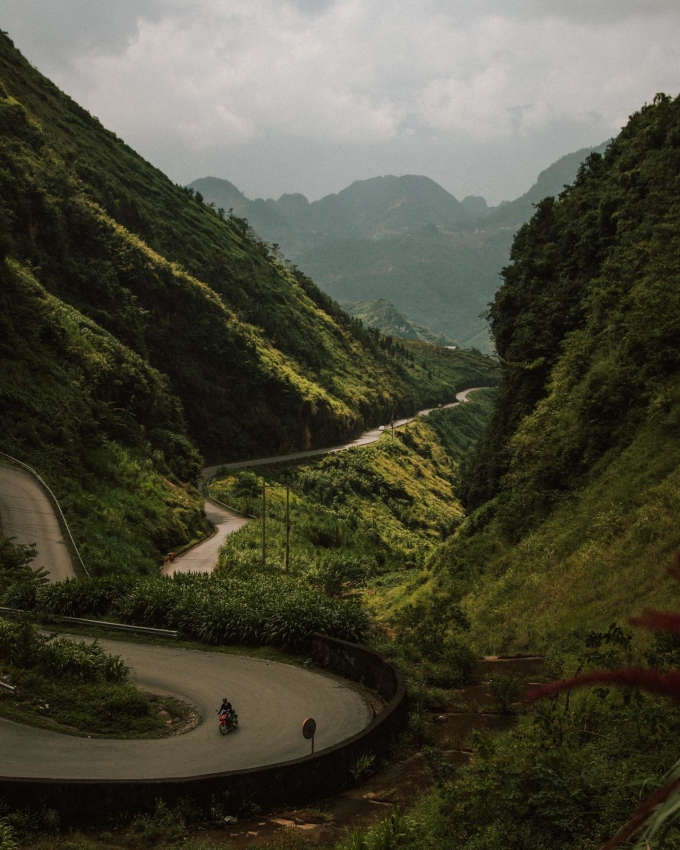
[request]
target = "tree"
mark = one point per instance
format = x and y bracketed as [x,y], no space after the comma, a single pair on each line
[246,486]
[15,563]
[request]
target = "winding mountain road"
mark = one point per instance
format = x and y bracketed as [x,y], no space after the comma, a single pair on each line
[203,557]
[365,439]
[272,701]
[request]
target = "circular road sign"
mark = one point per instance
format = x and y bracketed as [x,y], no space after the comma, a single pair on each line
[309,728]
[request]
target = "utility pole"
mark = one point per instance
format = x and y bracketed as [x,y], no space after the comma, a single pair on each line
[264,509]
[287,566]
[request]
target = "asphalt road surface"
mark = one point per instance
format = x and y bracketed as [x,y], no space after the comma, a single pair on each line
[272,701]
[27,514]
[364,440]
[203,558]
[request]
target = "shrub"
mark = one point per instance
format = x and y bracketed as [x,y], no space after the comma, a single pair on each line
[24,647]
[7,839]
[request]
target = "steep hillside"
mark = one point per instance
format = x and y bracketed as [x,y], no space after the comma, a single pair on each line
[574,488]
[100,424]
[157,325]
[387,319]
[184,288]
[549,183]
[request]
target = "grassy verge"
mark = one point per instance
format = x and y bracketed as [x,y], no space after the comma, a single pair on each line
[77,688]
[601,555]
[362,523]
[102,709]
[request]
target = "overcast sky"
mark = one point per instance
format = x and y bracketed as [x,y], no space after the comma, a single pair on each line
[308,95]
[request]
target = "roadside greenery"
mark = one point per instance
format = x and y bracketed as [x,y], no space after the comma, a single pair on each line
[262,610]
[361,524]
[572,505]
[571,494]
[574,767]
[101,427]
[73,686]
[137,323]
[357,516]
[380,508]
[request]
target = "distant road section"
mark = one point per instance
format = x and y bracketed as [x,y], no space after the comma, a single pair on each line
[203,558]
[364,440]
[26,513]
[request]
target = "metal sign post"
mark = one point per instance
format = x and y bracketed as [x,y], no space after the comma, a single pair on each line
[309,730]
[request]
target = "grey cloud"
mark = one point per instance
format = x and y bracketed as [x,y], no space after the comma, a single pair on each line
[577,11]
[55,32]
[315,7]
[309,95]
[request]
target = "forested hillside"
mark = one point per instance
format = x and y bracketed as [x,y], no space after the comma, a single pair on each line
[139,322]
[573,491]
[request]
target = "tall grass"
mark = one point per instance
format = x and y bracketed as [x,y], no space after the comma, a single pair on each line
[262,610]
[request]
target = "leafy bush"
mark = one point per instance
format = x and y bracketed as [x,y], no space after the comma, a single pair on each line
[22,646]
[505,692]
[81,662]
[164,825]
[389,834]
[15,565]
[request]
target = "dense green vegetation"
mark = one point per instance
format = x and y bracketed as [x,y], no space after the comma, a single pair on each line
[572,492]
[260,611]
[101,426]
[572,500]
[361,525]
[385,505]
[359,515]
[138,324]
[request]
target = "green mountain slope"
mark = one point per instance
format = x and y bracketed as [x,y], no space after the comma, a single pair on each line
[387,319]
[574,488]
[182,329]
[100,424]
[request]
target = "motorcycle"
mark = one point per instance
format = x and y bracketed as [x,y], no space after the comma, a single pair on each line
[228,720]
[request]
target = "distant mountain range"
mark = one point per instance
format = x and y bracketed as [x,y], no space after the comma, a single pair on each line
[402,239]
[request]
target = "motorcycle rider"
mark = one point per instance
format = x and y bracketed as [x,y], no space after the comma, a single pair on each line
[227,710]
